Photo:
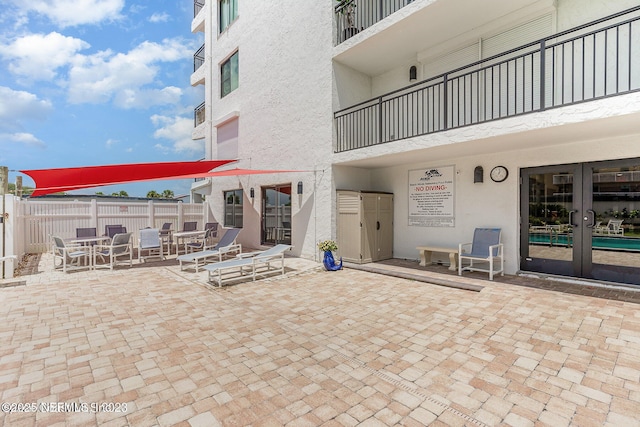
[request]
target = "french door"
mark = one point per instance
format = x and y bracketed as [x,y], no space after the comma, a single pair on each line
[582,220]
[276,214]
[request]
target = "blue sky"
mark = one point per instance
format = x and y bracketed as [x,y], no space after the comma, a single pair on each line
[94,82]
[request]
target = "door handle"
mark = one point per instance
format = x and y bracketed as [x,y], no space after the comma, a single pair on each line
[592,213]
[377,225]
[571,212]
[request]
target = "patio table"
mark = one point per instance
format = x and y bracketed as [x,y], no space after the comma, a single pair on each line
[183,236]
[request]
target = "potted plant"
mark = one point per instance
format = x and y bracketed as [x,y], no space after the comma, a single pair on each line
[347,8]
[327,247]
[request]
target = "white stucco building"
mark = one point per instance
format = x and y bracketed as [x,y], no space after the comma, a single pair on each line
[375,96]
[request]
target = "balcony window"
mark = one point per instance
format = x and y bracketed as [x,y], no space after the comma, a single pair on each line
[229,75]
[233,209]
[228,12]
[199,115]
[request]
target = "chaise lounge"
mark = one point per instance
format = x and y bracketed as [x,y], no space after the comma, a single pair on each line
[226,245]
[250,264]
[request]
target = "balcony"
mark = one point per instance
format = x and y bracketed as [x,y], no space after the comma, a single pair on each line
[587,63]
[199,115]
[197,6]
[353,16]
[198,58]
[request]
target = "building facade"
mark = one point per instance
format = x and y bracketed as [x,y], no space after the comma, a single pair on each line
[520,115]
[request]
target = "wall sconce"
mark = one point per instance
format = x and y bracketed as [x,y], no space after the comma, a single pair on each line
[413,73]
[478,174]
[299,187]
[252,193]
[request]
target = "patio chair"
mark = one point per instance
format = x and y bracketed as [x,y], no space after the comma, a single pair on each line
[151,243]
[213,226]
[196,244]
[485,248]
[120,247]
[112,230]
[248,264]
[166,234]
[71,256]
[225,246]
[190,226]
[86,232]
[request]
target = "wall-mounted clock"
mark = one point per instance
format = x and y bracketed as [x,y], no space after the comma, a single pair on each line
[499,173]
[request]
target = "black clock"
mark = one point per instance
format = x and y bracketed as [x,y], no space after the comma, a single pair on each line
[499,173]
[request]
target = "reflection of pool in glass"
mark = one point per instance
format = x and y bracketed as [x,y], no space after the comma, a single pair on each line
[599,242]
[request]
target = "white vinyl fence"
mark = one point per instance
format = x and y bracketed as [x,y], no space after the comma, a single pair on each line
[38,220]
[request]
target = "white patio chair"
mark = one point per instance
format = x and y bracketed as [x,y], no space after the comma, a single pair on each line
[251,264]
[120,247]
[151,243]
[72,257]
[485,248]
[225,246]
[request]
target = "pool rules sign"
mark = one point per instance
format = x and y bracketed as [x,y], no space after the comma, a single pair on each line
[431,197]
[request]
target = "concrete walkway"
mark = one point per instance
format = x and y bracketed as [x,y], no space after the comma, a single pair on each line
[151,345]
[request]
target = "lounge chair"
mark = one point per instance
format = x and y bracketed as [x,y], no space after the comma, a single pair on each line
[226,245]
[150,242]
[248,264]
[485,248]
[613,227]
[71,256]
[120,247]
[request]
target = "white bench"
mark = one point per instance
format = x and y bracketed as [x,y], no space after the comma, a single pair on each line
[427,251]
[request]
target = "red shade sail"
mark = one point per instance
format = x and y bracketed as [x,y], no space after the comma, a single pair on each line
[67,179]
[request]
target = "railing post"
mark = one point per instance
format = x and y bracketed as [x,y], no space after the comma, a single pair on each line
[542,75]
[380,120]
[445,101]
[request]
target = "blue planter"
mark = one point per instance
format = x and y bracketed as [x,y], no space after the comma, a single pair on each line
[330,263]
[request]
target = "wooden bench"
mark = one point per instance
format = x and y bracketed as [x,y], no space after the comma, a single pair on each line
[427,251]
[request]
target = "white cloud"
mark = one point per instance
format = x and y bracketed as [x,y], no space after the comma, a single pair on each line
[17,106]
[22,138]
[178,130]
[111,142]
[31,56]
[69,13]
[159,17]
[104,76]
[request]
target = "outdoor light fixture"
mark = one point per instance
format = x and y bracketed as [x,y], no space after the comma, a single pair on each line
[413,73]
[299,187]
[478,174]
[252,193]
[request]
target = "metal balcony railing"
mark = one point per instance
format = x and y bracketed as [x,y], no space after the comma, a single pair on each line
[594,61]
[198,58]
[353,16]
[199,115]
[197,6]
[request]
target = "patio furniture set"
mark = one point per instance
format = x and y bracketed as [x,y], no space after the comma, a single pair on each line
[115,247]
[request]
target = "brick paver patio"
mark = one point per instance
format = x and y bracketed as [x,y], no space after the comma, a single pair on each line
[152,345]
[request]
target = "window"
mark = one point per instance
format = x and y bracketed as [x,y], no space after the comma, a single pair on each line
[233,208]
[228,140]
[229,75]
[228,13]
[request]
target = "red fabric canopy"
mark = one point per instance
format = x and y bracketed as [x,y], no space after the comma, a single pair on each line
[237,171]
[66,179]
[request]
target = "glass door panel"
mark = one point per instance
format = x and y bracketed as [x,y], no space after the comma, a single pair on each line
[547,238]
[276,215]
[615,199]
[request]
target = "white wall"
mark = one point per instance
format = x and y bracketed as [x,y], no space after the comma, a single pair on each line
[487,204]
[285,108]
